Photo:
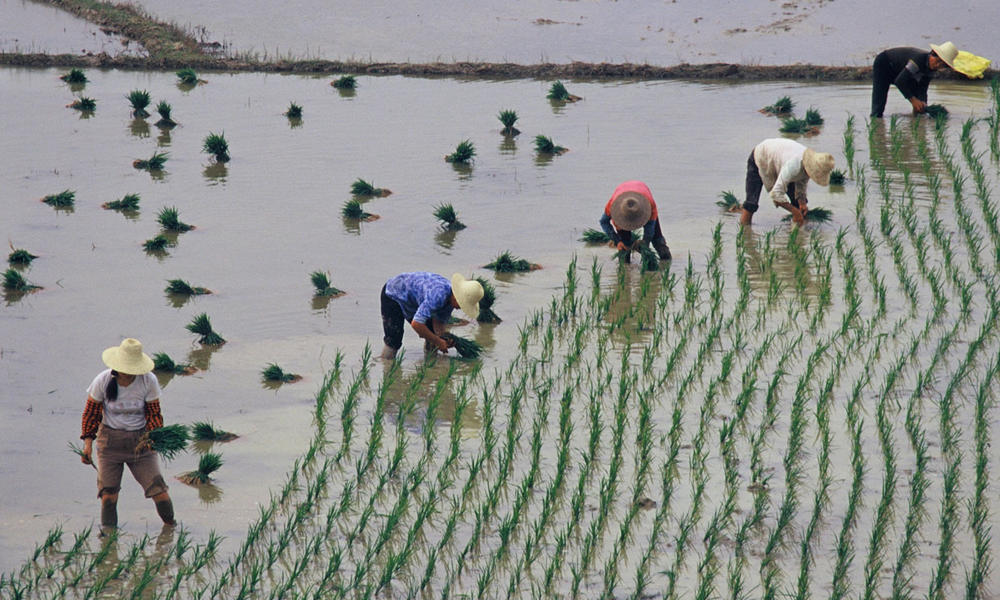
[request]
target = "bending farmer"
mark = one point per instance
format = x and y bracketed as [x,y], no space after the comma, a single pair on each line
[910,70]
[785,167]
[631,206]
[123,401]
[426,301]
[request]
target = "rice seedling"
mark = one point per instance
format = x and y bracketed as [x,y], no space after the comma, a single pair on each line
[816,214]
[209,463]
[595,236]
[164,109]
[153,163]
[793,125]
[168,218]
[352,210]
[201,326]
[345,82]
[272,372]
[559,93]
[158,243]
[164,364]
[782,106]
[465,347]
[486,314]
[837,177]
[74,76]
[179,286]
[321,281]
[207,432]
[464,152]
[83,104]
[127,203]
[729,202]
[362,188]
[13,281]
[505,262]
[139,100]
[507,119]
[167,441]
[445,213]
[216,145]
[63,199]
[294,111]
[936,111]
[545,145]
[813,118]
[188,76]
[20,256]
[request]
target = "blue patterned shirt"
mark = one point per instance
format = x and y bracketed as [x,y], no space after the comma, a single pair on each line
[421,295]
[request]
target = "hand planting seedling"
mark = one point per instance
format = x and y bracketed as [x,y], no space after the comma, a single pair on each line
[201,326]
[362,188]
[465,347]
[595,236]
[216,145]
[352,210]
[345,82]
[206,432]
[486,314]
[83,104]
[815,215]
[168,219]
[20,256]
[127,203]
[508,118]
[545,145]
[153,163]
[179,286]
[274,373]
[464,152]
[936,110]
[294,111]
[782,106]
[74,76]
[208,463]
[559,93]
[188,77]
[506,262]
[13,281]
[166,121]
[321,281]
[157,243]
[837,177]
[729,202]
[167,441]
[164,364]
[139,99]
[445,213]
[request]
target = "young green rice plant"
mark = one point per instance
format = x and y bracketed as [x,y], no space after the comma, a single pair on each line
[163,108]
[158,243]
[164,364]
[486,314]
[445,213]
[208,463]
[188,76]
[127,203]
[464,152]
[782,106]
[321,281]
[20,256]
[83,104]
[74,76]
[167,441]
[63,199]
[650,260]
[837,177]
[729,202]
[179,286]
[507,119]
[139,100]
[153,163]
[545,145]
[813,118]
[936,111]
[595,236]
[352,210]
[201,326]
[13,281]
[559,93]
[294,111]
[505,262]
[204,431]
[793,125]
[362,188]
[216,145]
[272,372]
[168,219]
[815,215]
[345,82]
[465,347]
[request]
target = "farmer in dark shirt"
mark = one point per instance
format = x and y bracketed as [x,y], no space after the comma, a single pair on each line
[910,70]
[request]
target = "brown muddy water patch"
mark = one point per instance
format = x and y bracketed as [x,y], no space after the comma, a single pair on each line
[28,27]
[271,216]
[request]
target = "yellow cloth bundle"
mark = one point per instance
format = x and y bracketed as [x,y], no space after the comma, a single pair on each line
[970,65]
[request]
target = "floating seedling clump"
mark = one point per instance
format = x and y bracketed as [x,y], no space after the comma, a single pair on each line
[813,118]
[127,203]
[486,314]
[728,201]
[167,441]
[464,152]
[936,110]
[188,76]
[84,104]
[13,281]
[801,126]
[273,373]
[362,188]
[179,286]
[345,82]
[153,163]
[158,243]
[837,177]
[169,219]
[63,199]
[216,145]
[206,432]
[782,106]
[465,347]
[202,327]
[815,215]
[559,93]
[352,210]
[321,281]
[74,76]
[595,236]
[208,463]
[139,99]
[164,109]
[445,213]
[545,145]
[505,262]
[294,111]
[164,364]
[508,118]
[20,256]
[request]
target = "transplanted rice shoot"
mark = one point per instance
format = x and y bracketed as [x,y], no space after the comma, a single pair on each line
[206,432]
[837,177]
[179,286]
[559,93]
[139,99]
[169,219]
[936,110]
[506,262]
[272,372]
[153,163]
[83,103]
[445,213]
[164,364]
[793,125]
[158,243]
[163,108]
[782,106]
[464,152]
[20,256]
[815,215]
[216,145]
[352,210]
[63,199]
[345,82]
[545,145]
[294,111]
[465,347]
[188,76]
[201,326]
[13,281]
[813,118]
[508,118]
[728,201]
[207,464]
[486,314]
[127,203]
[362,188]
[167,441]
[595,236]
[74,76]
[321,281]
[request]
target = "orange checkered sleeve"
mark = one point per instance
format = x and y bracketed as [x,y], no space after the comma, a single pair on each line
[92,414]
[154,418]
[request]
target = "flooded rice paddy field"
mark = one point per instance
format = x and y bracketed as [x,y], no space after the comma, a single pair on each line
[777,411]
[27,26]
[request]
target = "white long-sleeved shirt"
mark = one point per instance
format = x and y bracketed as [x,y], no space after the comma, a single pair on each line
[779,161]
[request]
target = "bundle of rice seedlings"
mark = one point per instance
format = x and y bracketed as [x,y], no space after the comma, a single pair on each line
[352,210]
[20,256]
[486,314]
[345,82]
[449,219]
[272,372]
[163,108]
[595,236]
[216,145]
[321,281]
[837,177]
[83,103]
[164,364]
[153,163]
[650,260]
[294,111]
[793,125]
[169,219]
[464,152]
[465,347]
[78,450]
[206,432]
[158,243]
[179,286]
[63,199]
[545,145]
[815,215]
[936,110]
[505,262]
[362,188]
[128,203]
[207,464]
[74,76]
[13,281]
[188,76]
[813,118]
[167,441]
[201,326]
[728,201]
[508,118]
[782,106]
[139,99]
[558,92]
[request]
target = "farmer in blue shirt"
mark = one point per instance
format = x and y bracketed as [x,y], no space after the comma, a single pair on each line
[426,301]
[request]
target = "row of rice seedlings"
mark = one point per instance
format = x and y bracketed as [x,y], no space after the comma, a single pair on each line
[979,512]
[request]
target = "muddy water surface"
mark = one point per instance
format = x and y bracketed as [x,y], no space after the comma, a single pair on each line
[27,26]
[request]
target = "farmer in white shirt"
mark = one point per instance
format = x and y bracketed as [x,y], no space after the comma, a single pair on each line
[784,167]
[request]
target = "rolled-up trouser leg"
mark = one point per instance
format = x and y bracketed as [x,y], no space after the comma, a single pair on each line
[753,186]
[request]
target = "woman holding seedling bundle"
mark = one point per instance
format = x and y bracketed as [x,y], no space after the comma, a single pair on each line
[123,401]
[426,301]
[785,167]
[632,206]
[911,70]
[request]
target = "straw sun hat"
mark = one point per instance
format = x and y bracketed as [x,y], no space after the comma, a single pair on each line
[817,165]
[630,210]
[128,358]
[946,52]
[468,293]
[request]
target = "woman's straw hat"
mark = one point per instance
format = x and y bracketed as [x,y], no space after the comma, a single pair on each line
[817,165]
[630,210]
[946,52]
[128,358]
[468,293]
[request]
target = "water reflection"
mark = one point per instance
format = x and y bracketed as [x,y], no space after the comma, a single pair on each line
[139,128]
[216,173]
[78,86]
[543,158]
[427,395]
[294,122]
[463,170]
[163,140]
[347,92]
[445,238]
[201,358]
[508,146]
[86,114]
[209,493]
